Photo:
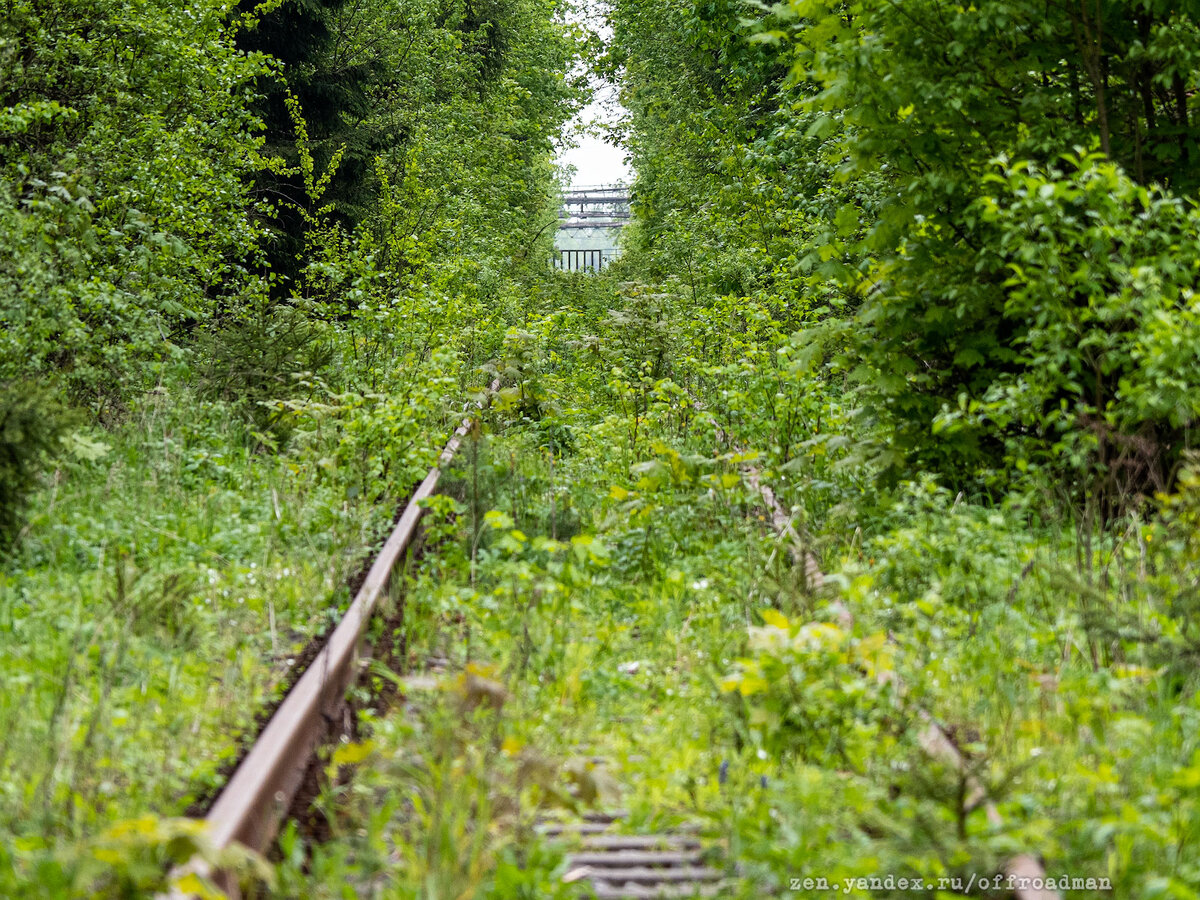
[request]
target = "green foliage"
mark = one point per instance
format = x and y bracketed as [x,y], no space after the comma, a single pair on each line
[1097,310]
[1082,281]
[732,183]
[816,692]
[521,393]
[442,794]
[163,583]
[255,358]
[1006,285]
[934,92]
[1046,659]
[126,146]
[871,260]
[262,417]
[375,444]
[31,424]
[133,858]
[441,116]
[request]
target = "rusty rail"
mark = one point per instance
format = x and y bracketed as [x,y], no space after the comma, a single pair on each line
[256,798]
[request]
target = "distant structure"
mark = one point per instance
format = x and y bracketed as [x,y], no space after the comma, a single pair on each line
[589,226]
[595,206]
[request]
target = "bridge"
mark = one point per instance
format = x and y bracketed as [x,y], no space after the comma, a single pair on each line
[595,206]
[588,224]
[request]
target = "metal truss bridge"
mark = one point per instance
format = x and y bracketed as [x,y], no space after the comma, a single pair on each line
[595,206]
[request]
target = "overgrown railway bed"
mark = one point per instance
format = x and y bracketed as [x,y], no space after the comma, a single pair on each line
[267,786]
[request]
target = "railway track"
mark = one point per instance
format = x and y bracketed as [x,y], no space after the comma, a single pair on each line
[1023,869]
[635,866]
[261,790]
[675,864]
[615,865]
[258,795]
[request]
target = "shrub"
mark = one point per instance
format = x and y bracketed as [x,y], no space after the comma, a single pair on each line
[1083,358]
[125,203]
[31,423]
[815,690]
[252,359]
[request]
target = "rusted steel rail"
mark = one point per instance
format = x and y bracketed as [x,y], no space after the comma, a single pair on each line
[256,798]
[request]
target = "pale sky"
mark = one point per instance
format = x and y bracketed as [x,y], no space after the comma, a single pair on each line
[595,161]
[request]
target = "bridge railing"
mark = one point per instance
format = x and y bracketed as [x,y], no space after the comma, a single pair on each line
[582,260]
[601,206]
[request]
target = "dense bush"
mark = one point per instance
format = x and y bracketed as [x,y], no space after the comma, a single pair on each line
[31,423]
[1065,338]
[1003,276]
[729,178]
[126,144]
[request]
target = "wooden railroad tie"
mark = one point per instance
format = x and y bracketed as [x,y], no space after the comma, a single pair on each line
[635,866]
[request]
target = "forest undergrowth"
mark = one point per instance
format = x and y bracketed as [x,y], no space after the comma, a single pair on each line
[610,586]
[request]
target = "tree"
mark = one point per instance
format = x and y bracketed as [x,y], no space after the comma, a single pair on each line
[962,111]
[126,150]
